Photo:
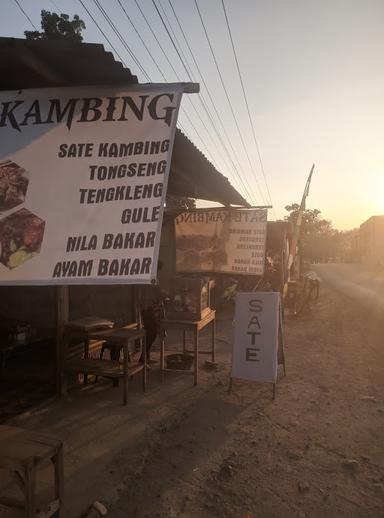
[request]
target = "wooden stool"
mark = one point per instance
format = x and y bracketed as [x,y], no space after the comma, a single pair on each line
[21,453]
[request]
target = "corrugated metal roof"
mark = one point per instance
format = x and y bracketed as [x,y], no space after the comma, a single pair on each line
[195,176]
[42,63]
[36,64]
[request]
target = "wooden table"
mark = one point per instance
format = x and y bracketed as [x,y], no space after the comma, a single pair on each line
[123,337]
[21,453]
[195,327]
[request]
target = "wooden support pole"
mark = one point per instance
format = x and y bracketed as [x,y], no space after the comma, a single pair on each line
[125,372]
[62,316]
[196,352]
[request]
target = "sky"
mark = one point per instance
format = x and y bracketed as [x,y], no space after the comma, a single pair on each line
[313,77]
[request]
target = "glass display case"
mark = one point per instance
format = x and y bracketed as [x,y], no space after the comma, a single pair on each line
[190,298]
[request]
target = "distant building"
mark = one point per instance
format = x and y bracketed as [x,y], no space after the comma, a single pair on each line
[372,241]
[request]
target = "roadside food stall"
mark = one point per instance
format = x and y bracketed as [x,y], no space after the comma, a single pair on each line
[219,247]
[35,309]
[84,174]
[208,241]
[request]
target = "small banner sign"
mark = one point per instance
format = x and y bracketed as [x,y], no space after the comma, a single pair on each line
[222,241]
[256,341]
[83,178]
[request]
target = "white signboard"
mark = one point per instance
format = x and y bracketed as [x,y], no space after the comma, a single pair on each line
[231,241]
[83,178]
[255,348]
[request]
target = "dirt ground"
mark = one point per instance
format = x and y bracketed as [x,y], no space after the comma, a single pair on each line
[317,451]
[185,451]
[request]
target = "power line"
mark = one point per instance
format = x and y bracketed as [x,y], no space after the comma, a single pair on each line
[198,134]
[228,99]
[204,105]
[185,61]
[135,59]
[118,34]
[186,133]
[247,105]
[212,102]
[103,33]
[153,60]
[177,76]
[141,39]
[201,97]
[170,37]
[202,100]
[55,5]
[156,38]
[25,14]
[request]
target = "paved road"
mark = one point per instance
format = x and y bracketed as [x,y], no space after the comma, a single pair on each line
[360,282]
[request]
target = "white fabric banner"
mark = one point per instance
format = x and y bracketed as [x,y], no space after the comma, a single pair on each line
[83,178]
[230,241]
[255,347]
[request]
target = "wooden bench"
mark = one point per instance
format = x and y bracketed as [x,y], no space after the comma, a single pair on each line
[22,452]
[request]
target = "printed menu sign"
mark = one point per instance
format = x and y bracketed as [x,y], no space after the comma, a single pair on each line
[230,241]
[83,178]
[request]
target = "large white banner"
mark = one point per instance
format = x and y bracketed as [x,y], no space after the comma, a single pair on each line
[231,241]
[256,341]
[83,178]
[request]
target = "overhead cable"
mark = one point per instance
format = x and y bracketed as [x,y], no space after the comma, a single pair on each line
[170,37]
[141,39]
[25,14]
[154,61]
[150,54]
[190,77]
[184,58]
[55,5]
[211,98]
[228,99]
[102,32]
[121,38]
[118,34]
[178,78]
[115,30]
[247,190]
[198,134]
[247,105]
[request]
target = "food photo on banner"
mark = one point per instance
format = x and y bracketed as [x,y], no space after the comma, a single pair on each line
[83,179]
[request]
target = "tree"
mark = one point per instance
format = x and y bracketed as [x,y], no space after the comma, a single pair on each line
[319,241]
[311,222]
[350,245]
[58,27]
